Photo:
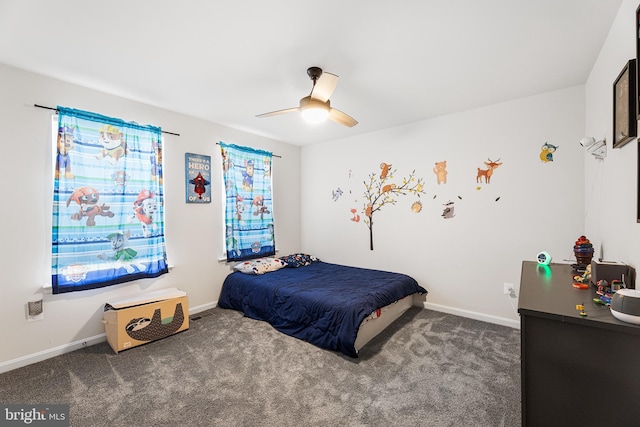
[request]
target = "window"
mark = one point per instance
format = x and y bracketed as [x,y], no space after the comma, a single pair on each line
[249,227]
[108,213]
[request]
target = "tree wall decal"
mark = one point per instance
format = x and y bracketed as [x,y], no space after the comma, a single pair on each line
[380,191]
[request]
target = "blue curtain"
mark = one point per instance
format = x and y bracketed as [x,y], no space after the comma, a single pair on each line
[108,210]
[249,206]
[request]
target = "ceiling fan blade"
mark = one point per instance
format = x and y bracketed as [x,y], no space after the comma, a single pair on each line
[275,113]
[342,118]
[324,87]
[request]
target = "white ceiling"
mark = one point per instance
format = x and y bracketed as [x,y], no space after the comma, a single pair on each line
[226,61]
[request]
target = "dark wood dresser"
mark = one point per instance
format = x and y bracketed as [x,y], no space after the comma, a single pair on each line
[576,371]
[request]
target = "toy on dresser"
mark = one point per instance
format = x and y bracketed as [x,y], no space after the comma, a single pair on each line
[583,278]
[604,293]
[583,250]
[581,281]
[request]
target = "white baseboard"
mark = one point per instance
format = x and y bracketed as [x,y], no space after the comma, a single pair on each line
[203,307]
[473,315]
[10,365]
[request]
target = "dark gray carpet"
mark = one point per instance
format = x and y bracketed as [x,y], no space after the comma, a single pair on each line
[427,369]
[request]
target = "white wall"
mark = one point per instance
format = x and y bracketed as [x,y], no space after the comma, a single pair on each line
[463,262]
[611,186]
[194,232]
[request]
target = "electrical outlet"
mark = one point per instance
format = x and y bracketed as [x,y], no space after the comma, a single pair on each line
[508,289]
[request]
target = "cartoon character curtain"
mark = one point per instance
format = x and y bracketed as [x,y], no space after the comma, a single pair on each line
[108,213]
[249,206]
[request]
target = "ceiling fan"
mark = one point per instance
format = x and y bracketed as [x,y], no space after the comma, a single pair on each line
[316,107]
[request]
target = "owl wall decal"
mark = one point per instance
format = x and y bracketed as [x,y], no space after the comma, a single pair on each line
[546,155]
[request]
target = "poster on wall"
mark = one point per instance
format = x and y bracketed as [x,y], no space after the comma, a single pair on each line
[198,178]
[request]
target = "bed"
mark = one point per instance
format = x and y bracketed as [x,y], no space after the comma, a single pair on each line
[332,306]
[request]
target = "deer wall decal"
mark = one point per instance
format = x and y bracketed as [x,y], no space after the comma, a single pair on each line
[486,173]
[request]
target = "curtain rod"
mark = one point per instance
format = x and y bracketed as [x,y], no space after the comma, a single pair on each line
[273,155]
[55,109]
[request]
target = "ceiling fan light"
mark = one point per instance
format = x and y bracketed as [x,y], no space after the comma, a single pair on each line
[314,110]
[315,114]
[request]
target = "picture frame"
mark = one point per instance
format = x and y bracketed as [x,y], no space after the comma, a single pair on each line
[198,178]
[637,60]
[624,105]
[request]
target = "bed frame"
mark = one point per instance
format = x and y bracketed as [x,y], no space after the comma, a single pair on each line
[332,306]
[374,324]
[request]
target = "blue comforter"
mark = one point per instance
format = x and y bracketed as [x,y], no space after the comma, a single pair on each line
[321,303]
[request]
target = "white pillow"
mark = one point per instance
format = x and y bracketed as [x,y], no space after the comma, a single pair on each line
[260,265]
